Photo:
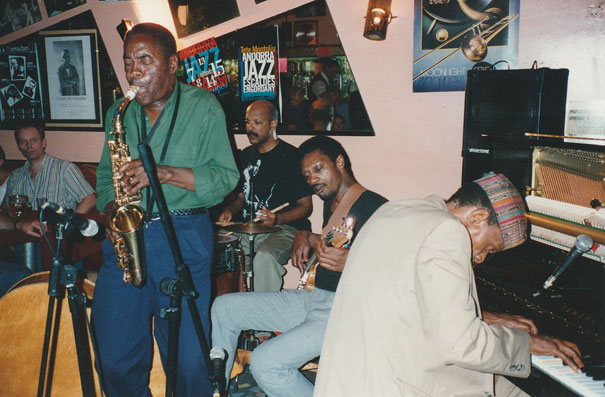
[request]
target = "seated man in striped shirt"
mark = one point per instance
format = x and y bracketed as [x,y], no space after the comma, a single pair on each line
[46,177]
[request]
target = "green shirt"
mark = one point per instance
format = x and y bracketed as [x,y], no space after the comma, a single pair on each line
[199,141]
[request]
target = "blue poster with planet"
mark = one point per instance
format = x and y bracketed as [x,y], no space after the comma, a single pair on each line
[452,37]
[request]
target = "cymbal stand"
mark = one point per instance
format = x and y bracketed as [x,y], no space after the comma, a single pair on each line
[66,276]
[250,272]
[177,288]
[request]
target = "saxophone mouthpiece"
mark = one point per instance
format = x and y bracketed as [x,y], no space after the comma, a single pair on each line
[132,92]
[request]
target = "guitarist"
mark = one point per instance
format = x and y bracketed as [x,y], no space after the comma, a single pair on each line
[300,315]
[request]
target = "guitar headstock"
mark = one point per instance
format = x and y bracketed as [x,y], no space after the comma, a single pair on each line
[341,235]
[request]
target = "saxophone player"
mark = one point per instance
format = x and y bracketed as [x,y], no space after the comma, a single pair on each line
[185,128]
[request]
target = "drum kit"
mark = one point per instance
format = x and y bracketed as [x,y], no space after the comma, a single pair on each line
[229,268]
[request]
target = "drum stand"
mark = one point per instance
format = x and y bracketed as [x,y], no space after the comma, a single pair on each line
[250,273]
[65,275]
[176,289]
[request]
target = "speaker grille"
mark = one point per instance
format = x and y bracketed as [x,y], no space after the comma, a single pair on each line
[504,105]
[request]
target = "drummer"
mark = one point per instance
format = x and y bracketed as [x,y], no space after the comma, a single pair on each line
[271,177]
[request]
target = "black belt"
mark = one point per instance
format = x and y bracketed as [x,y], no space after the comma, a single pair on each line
[184,212]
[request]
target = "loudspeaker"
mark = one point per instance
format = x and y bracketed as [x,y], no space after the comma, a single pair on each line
[502,105]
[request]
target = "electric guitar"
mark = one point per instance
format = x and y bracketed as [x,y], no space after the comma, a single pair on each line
[338,237]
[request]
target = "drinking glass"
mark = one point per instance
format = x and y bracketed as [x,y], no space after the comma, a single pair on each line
[18,206]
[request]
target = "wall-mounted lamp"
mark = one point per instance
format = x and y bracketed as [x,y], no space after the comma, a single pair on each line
[124,27]
[378,18]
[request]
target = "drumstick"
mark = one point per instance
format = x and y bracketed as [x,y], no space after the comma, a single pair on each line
[274,210]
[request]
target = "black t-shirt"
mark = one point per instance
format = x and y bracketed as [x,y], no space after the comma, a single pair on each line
[361,210]
[272,179]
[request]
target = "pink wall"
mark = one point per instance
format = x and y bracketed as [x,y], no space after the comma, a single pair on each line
[416,150]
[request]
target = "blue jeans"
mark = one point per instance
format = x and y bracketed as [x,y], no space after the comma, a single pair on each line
[302,316]
[122,313]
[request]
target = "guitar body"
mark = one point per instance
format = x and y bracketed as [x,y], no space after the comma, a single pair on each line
[310,284]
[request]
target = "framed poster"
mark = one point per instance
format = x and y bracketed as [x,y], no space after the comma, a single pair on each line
[15,15]
[19,85]
[192,16]
[453,37]
[54,7]
[72,77]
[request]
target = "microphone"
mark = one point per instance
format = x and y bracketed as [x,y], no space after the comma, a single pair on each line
[87,227]
[582,244]
[217,359]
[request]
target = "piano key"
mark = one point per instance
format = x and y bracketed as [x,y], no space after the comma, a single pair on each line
[579,383]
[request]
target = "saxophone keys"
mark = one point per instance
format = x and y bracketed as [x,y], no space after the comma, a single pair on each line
[127,277]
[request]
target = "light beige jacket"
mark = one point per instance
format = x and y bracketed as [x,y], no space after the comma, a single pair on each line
[406,320]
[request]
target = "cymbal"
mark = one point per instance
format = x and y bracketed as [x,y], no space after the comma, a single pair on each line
[251,228]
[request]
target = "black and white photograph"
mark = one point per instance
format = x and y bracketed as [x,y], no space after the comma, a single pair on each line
[29,89]
[70,54]
[72,75]
[54,7]
[11,94]
[17,14]
[17,67]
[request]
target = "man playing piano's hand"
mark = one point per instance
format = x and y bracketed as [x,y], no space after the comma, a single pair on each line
[539,344]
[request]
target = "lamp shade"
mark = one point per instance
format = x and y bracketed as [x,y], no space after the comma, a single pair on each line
[378,18]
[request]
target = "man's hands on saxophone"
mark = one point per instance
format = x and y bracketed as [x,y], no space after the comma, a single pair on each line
[134,177]
[111,235]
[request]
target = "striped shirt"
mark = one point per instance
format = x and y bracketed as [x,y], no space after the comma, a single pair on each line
[58,181]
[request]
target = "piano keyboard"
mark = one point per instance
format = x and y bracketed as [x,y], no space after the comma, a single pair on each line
[582,384]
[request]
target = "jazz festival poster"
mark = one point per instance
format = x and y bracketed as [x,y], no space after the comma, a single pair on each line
[204,67]
[452,37]
[258,65]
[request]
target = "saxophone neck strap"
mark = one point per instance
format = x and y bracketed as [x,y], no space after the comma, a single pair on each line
[146,138]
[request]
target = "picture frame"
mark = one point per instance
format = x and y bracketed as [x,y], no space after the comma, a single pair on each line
[71,67]
[305,33]
[55,7]
[194,16]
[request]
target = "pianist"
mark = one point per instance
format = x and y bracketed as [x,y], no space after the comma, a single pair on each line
[410,324]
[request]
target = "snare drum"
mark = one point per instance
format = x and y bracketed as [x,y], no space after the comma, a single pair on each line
[227,264]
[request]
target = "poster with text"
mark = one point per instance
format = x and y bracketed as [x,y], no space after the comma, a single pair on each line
[19,85]
[453,37]
[204,67]
[258,64]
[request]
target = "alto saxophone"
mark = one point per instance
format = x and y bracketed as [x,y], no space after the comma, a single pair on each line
[129,216]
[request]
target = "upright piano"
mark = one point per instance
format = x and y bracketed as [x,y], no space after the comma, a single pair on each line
[563,182]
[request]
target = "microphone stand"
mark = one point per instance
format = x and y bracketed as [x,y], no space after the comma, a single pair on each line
[65,275]
[177,288]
